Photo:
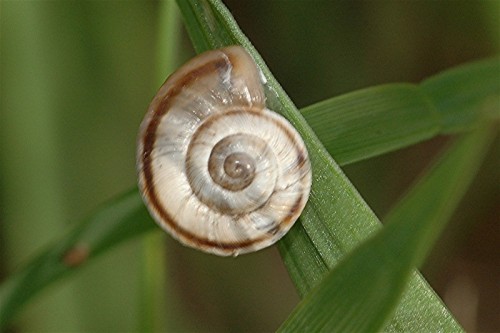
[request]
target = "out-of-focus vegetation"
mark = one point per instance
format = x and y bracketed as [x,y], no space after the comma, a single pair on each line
[76,79]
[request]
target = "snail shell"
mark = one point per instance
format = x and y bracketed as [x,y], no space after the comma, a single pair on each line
[218,170]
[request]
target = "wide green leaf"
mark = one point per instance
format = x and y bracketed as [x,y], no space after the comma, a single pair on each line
[372,278]
[372,121]
[377,120]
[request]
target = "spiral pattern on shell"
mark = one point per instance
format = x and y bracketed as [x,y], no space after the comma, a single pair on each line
[217,169]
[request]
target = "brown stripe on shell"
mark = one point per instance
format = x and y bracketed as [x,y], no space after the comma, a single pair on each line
[290,218]
[292,214]
[150,137]
[301,160]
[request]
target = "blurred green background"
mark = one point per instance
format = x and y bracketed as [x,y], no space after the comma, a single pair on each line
[76,79]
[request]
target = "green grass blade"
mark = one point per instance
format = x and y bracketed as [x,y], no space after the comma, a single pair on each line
[372,278]
[465,95]
[376,120]
[122,219]
[336,218]
[372,121]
